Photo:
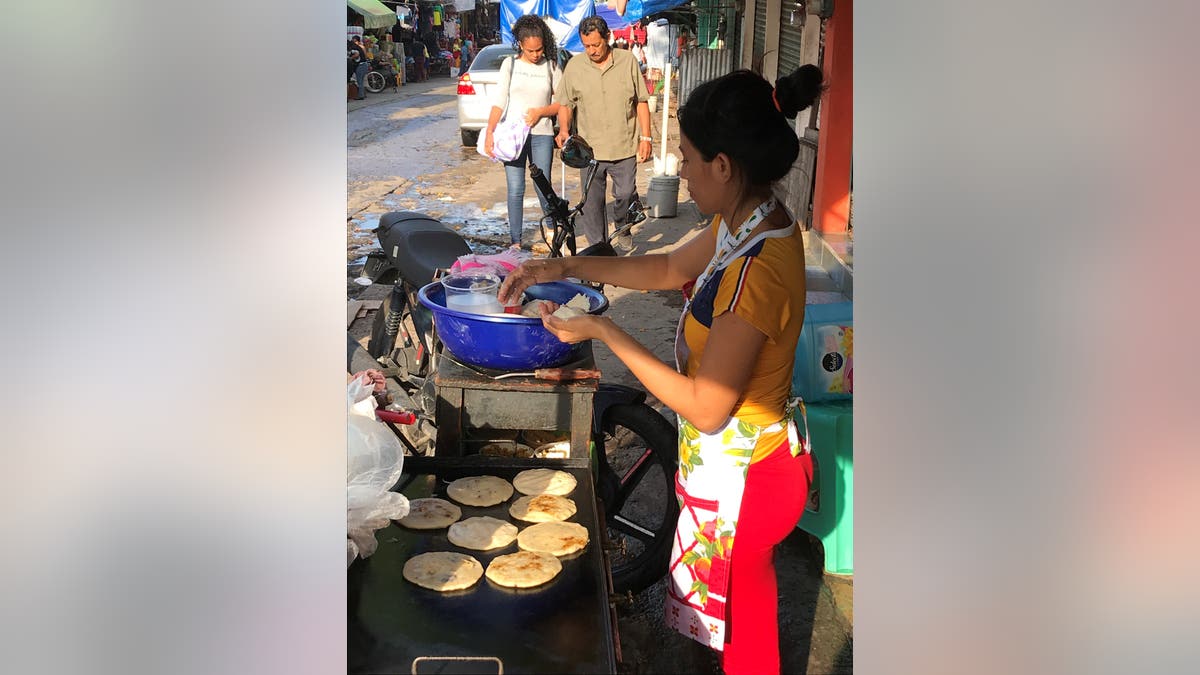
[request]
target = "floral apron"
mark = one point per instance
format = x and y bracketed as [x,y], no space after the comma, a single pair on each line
[710,483]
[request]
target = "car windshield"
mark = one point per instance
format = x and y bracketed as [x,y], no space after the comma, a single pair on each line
[491,57]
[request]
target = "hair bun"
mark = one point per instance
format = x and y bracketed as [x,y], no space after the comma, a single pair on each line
[799,90]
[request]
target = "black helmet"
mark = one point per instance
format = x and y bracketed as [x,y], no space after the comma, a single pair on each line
[576,153]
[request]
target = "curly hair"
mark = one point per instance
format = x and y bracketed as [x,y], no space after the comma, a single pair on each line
[743,116]
[531,25]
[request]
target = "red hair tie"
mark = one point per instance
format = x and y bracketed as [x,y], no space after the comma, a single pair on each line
[775,100]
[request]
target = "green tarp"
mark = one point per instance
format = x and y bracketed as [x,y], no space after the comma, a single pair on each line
[375,13]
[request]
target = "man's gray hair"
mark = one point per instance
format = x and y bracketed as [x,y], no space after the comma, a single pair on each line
[593,24]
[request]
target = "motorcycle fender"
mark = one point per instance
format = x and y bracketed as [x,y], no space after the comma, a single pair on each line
[600,248]
[379,268]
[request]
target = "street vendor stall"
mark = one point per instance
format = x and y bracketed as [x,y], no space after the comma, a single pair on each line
[562,623]
[375,14]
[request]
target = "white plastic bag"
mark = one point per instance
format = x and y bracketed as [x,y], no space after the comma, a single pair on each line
[508,140]
[374,462]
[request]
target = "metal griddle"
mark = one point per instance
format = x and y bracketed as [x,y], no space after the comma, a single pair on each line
[563,626]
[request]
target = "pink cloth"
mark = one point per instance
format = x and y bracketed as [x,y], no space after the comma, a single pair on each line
[500,263]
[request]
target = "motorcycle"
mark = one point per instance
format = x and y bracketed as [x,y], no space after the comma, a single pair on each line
[635,472]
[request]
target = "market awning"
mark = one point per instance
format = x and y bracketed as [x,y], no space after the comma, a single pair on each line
[375,13]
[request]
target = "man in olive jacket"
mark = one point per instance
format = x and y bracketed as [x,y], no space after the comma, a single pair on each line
[606,95]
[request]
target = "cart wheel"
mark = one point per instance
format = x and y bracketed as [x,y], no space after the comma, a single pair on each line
[637,485]
[375,82]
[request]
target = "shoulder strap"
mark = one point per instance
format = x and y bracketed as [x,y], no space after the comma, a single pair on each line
[512,65]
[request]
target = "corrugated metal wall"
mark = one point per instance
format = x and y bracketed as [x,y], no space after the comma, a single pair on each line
[795,189]
[790,30]
[760,28]
[701,65]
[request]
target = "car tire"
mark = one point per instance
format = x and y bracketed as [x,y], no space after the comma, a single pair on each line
[469,136]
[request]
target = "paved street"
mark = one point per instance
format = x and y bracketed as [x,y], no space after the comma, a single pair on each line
[403,152]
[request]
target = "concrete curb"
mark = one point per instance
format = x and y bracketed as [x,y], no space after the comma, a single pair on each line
[407,91]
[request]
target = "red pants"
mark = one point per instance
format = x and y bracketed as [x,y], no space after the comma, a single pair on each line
[776,490]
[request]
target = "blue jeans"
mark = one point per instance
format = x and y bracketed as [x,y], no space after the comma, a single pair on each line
[360,78]
[541,149]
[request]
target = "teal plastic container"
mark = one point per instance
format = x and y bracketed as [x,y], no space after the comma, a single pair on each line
[829,514]
[824,369]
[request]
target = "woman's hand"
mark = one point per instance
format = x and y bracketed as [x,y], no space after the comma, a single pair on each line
[576,329]
[532,116]
[489,145]
[528,273]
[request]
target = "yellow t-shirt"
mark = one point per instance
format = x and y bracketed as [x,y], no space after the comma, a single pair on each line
[765,287]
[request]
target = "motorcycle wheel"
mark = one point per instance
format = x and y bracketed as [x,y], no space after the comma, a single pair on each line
[636,482]
[375,82]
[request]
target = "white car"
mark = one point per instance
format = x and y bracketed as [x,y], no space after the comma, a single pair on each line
[477,88]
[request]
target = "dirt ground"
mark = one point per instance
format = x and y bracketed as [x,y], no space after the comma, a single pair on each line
[814,638]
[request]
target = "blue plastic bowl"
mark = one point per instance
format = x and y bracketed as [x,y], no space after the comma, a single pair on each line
[507,342]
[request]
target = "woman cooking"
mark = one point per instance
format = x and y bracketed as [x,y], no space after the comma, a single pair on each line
[744,469]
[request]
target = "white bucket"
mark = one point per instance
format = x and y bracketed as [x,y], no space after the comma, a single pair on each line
[662,198]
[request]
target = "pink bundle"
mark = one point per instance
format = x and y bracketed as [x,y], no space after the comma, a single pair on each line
[499,263]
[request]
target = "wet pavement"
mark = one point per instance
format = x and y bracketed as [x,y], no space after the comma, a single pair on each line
[404,152]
